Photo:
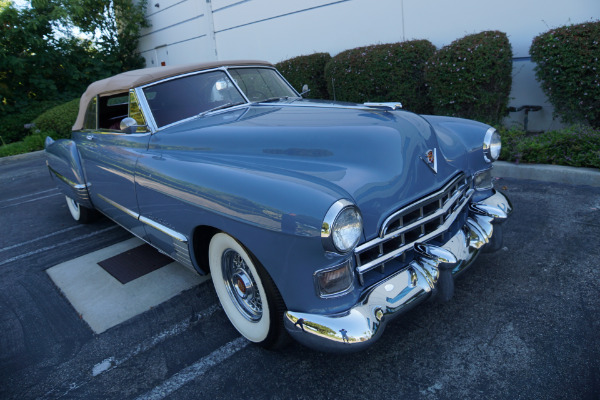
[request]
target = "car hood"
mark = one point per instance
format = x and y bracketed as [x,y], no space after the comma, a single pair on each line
[373,157]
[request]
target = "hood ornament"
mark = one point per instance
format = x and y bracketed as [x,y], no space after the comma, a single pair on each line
[430,158]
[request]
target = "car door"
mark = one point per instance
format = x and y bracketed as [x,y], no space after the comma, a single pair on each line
[110,156]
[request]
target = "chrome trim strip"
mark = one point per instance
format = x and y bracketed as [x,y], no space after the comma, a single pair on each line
[163,229]
[76,186]
[389,256]
[174,234]
[120,207]
[386,106]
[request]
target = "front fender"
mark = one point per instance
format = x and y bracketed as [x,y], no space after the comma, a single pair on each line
[64,164]
[460,139]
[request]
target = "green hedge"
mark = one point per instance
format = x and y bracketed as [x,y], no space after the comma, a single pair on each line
[471,77]
[309,70]
[28,144]
[58,121]
[384,72]
[11,126]
[568,68]
[576,146]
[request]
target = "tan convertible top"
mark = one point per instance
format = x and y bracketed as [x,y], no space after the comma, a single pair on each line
[131,79]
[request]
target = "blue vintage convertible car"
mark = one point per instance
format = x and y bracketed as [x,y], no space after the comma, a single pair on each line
[317,220]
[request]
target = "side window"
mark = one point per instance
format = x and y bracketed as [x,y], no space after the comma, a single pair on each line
[111,110]
[90,115]
[135,111]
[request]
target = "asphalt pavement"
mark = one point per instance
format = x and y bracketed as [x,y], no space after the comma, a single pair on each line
[523,323]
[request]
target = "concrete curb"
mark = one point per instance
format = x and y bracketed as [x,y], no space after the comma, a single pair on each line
[548,173]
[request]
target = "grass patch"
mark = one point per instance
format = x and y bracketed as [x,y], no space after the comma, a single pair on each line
[30,143]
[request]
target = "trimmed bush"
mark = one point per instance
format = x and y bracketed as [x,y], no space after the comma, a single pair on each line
[384,72]
[11,125]
[58,121]
[309,70]
[576,146]
[568,69]
[472,77]
[28,144]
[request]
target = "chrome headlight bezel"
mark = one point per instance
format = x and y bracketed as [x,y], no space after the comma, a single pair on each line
[492,145]
[332,236]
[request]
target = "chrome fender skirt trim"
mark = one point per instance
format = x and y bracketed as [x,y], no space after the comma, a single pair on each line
[76,191]
[430,275]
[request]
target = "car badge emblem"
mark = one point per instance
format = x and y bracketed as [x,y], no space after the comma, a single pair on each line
[430,158]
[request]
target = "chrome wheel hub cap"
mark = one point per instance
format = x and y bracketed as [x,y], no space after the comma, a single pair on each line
[241,286]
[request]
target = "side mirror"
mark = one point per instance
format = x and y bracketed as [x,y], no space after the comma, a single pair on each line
[305,90]
[129,125]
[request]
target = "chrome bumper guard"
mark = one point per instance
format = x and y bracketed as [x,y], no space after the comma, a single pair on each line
[430,275]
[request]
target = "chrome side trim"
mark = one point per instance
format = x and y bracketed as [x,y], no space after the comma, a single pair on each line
[174,234]
[120,207]
[163,229]
[76,186]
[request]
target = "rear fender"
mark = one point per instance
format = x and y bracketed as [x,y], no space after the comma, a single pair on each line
[64,164]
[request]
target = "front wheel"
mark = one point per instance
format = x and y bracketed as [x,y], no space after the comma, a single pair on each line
[246,292]
[81,214]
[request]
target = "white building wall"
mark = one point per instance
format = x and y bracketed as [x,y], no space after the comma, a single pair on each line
[275,30]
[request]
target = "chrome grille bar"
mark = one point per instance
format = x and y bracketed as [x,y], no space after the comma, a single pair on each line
[444,207]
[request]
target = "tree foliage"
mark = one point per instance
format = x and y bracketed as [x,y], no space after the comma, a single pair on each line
[52,49]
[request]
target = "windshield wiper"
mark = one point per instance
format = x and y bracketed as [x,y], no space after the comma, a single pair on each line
[222,106]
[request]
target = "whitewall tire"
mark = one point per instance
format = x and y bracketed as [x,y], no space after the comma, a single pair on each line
[81,214]
[246,292]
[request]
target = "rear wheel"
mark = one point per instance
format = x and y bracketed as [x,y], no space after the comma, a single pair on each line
[246,292]
[81,214]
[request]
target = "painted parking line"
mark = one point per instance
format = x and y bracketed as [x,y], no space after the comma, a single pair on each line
[14,246]
[112,362]
[103,301]
[195,370]
[30,200]
[29,195]
[54,246]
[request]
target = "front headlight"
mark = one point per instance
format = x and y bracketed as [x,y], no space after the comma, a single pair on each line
[342,227]
[491,145]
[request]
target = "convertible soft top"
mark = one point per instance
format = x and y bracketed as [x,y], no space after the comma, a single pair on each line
[130,79]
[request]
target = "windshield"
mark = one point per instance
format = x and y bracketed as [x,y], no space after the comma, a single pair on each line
[190,95]
[199,94]
[260,84]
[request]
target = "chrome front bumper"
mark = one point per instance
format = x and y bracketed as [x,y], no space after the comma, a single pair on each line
[430,275]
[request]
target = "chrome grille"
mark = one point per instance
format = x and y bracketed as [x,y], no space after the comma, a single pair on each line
[421,221]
